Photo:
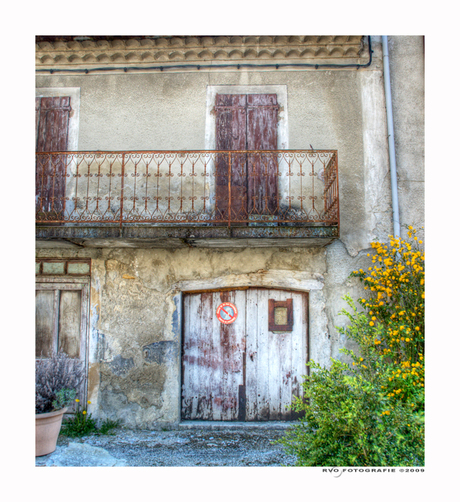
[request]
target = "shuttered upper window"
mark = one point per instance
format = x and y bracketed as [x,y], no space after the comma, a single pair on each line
[247,122]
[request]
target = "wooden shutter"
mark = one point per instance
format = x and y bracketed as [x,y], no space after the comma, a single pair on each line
[52,135]
[231,134]
[52,124]
[246,122]
[262,169]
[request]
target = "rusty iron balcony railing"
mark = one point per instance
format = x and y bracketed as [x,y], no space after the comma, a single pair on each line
[234,188]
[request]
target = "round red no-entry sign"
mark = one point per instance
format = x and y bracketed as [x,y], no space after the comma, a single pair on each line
[226,313]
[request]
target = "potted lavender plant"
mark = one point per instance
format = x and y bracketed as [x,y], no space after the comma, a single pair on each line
[56,381]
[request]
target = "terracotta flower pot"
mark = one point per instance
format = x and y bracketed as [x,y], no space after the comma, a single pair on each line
[47,428]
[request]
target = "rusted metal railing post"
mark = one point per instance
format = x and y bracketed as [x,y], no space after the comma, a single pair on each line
[122,187]
[336,157]
[229,188]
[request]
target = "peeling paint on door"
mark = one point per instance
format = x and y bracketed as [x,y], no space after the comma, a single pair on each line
[242,371]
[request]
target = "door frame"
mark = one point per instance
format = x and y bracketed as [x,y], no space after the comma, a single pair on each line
[237,288]
[83,284]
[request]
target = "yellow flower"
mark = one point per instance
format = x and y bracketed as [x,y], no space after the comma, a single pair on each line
[77,400]
[89,402]
[84,412]
[371,323]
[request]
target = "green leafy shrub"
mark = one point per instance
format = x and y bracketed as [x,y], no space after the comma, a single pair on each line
[370,412]
[107,426]
[83,424]
[80,424]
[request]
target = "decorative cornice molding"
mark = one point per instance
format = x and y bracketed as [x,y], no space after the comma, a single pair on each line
[73,52]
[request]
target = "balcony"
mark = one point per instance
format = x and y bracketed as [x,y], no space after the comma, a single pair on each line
[191,197]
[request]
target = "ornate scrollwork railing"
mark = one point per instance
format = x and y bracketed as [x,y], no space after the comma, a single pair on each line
[279,187]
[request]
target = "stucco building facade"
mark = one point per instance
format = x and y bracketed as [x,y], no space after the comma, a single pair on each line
[144,231]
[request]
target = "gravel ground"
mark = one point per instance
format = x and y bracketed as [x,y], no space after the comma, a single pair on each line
[236,445]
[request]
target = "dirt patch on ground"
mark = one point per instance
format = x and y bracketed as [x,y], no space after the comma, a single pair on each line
[239,446]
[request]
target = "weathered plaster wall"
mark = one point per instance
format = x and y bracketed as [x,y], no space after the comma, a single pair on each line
[135,326]
[407,72]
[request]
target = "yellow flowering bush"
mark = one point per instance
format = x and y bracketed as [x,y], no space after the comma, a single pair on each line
[371,411]
[396,302]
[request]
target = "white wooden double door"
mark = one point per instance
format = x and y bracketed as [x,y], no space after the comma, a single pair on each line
[242,371]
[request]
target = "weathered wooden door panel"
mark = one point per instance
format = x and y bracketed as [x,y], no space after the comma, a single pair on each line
[45,323]
[275,361]
[212,361]
[70,322]
[242,370]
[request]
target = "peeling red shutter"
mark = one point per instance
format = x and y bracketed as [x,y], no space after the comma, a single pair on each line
[52,134]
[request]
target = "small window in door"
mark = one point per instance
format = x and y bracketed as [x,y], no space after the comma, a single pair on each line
[280,315]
